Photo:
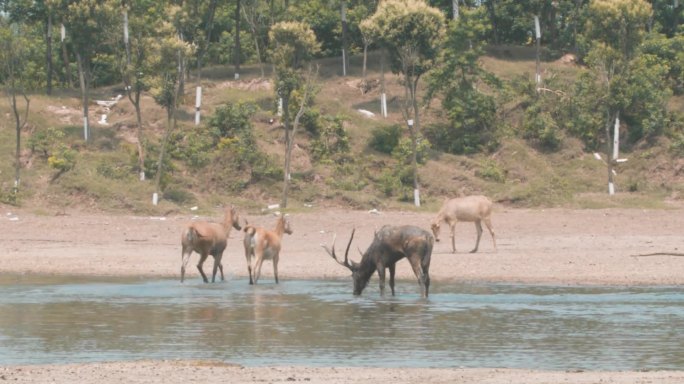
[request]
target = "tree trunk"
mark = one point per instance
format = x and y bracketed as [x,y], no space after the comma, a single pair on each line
[127,44]
[288,150]
[492,18]
[19,124]
[17,166]
[141,140]
[48,53]
[609,153]
[251,20]
[170,123]
[237,40]
[65,61]
[83,80]
[343,16]
[365,61]
[414,141]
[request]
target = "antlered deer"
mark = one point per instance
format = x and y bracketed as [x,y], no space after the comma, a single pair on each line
[391,244]
[262,244]
[208,238]
[475,208]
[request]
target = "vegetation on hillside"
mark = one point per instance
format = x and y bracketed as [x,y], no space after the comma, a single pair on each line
[477,102]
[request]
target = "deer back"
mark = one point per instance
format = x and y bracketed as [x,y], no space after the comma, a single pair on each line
[469,208]
[392,243]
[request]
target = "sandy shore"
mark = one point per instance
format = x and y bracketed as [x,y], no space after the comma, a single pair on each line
[556,246]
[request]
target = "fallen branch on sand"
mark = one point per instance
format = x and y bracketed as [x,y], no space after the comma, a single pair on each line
[659,254]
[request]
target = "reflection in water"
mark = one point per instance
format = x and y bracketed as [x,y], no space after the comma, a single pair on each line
[320,323]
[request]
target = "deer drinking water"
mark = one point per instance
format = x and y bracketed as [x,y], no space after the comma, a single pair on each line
[262,244]
[476,208]
[208,238]
[391,244]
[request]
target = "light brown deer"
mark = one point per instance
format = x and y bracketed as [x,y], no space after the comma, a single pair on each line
[476,208]
[262,244]
[391,244]
[207,238]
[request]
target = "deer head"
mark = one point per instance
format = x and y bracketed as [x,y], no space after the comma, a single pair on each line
[235,218]
[435,230]
[359,275]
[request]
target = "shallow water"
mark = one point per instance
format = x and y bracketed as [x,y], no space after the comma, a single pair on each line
[320,323]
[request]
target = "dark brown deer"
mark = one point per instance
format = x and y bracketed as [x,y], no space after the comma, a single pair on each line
[391,244]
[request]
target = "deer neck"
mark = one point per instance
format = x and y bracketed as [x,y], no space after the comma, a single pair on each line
[227,221]
[367,267]
[280,227]
[439,218]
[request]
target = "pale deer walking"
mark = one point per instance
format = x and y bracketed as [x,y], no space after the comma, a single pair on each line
[208,238]
[391,244]
[476,208]
[262,244]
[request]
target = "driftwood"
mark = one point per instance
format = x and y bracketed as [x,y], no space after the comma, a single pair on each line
[677,254]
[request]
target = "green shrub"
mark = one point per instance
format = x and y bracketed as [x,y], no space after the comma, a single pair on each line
[232,120]
[114,170]
[403,151]
[490,170]
[389,183]
[178,195]
[385,138]
[64,159]
[541,128]
[331,139]
[43,142]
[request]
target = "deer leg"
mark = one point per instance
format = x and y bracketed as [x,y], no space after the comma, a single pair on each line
[217,265]
[203,257]
[421,275]
[478,226]
[221,270]
[391,282]
[453,236]
[381,276]
[257,269]
[185,258]
[248,256]
[275,268]
[488,224]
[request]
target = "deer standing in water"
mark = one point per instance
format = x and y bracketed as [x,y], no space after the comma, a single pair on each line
[390,244]
[476,208]
[262,244]
[208,238]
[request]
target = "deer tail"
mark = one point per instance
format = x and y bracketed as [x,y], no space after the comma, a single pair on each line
[250,230]
[191,235]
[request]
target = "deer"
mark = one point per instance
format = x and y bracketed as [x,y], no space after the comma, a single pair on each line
[475,208]
[208,238]
[262,244]
[390,244]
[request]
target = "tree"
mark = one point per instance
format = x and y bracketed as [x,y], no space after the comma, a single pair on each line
[459,79]
[145,26]
[613,33]
[411,31]
[89,22]
[292,45]
[168,56]
[14,58]
[256,19]
[29,13]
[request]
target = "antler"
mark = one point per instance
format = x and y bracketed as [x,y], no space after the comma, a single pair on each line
[331,252]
